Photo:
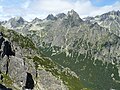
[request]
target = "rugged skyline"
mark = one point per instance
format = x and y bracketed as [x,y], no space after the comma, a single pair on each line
[64,52]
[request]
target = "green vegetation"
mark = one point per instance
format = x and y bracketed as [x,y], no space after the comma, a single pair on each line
[24,42]
[71,81]
[7,80]
[21,41]
[94,74]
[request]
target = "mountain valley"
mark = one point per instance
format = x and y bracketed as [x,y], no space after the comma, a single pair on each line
[65,52]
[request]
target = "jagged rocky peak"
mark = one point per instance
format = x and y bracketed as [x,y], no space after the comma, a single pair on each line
[72,12]
[95,24]
[74,15]
[17,19]
[15,22]
[36,20]
[72,19]
[3,22]
[110,15]
[60,15]
[51,17]
[114,13]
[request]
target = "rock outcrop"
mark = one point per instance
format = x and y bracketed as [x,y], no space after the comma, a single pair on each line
[2,87]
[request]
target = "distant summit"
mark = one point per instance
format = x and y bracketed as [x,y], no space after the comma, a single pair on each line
[36,20]
[60,15]
[72,19]
[15,22]
[51,17]
[109,20]
[74,15]
[110,15]
[113,13]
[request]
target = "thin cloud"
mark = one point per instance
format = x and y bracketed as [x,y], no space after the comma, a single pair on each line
[26,4]
[41,8]
[105,9]
[1,9]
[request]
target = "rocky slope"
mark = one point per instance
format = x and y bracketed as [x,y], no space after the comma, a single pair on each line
[47,75]
[110,20]
[89,47]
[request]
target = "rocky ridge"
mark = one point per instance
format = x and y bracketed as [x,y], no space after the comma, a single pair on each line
[110,20]
[89,47]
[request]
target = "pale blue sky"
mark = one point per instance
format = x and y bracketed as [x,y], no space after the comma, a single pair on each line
[30,9]
[17,3]
[101,3]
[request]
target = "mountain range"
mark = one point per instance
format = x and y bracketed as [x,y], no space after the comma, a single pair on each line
[85,52]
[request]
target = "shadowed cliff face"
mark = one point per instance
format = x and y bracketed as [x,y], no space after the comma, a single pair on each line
[4,88]
[7,50]
[29,81]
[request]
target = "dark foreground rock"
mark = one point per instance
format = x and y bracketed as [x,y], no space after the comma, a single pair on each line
[2,87]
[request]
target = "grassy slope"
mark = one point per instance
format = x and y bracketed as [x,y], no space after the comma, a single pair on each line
[94,74]
[71,81]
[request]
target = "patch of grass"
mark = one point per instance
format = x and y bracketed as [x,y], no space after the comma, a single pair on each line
[94,74]
[7,80]
[23,41]
[71,81]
